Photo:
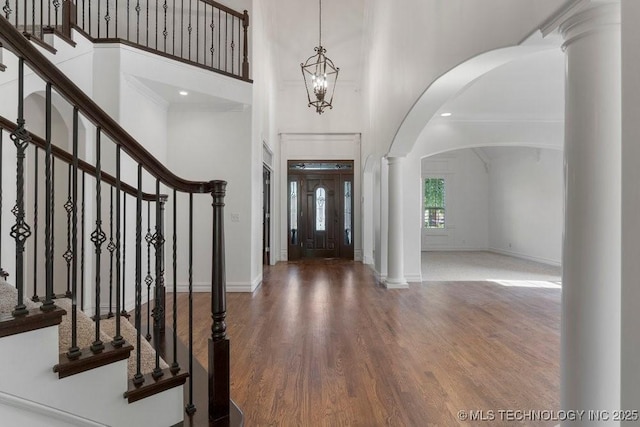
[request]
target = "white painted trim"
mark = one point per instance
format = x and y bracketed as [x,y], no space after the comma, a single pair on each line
[231,286]
[357,255]
[417,278]
[434,248]
[394,285]
[367,260]
[561,15]
[541,260]
[145,91]
[50,412]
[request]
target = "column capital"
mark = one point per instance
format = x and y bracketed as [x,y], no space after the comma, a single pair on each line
[596,16]
[394,159]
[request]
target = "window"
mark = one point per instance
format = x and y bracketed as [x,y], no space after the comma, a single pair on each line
[434,203]
[293,209]
[347,213]
[320,216]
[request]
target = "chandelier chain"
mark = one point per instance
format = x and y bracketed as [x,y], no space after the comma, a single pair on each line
[320,25]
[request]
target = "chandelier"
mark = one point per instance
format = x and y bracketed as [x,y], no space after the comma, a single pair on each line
[320,75]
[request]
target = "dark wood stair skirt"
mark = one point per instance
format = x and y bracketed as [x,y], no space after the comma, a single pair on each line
[200,387]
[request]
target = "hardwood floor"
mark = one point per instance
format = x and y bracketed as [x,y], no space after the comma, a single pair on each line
[320,343]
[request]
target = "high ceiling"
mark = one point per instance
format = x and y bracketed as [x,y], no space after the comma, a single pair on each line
[296,23]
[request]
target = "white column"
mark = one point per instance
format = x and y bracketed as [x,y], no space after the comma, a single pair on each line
[395,253]
[590,350]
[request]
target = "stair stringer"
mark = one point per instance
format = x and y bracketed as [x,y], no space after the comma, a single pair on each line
[26,369]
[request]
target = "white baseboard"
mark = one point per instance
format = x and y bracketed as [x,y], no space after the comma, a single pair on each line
[38,410]
[357,255]
[541,260]
[231,286]
[414,277]
[453,248]
[367,260]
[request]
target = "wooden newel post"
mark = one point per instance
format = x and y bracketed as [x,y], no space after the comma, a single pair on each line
[245,60]
[68,17]
[219,358]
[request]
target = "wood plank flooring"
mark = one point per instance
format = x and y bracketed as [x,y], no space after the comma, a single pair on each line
[320,343]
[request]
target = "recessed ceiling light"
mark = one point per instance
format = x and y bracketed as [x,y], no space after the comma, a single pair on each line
[184,93]
[445,114]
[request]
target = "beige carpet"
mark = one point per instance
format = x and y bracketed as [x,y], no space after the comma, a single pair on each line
[86,330]
[477,265]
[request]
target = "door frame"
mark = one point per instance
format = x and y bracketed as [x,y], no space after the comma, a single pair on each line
[301,176]
[316,147]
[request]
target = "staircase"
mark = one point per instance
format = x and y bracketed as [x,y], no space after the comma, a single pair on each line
[73,351]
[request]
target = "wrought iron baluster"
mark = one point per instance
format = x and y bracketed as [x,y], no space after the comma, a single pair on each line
[48,233]
[107,18]
[148,280]
[35,296]
[3,273]
[158,307]
[82,239]
[84,13]
[7,9]
[33,17]
[123,311]
[204,33]
[128,16]
[138,378]
[190,28]
[41,19]
[17,12]
[182,30]
[98,238]
[90,19]
[53,216]
[74,351]
[226,40]
[98,18]
[147,26]
[233,45]
[175,366]
[165,33]
[56,5]
[156,46]
[49,13]
[173,28]
[138,9]
[197,29]
[68,207]
[191,407]
[111,247]
[219,36]
[213,27]
[118,340]
[116,11]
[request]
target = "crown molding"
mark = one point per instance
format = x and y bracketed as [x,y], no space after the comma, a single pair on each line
[554,21]
[143,90]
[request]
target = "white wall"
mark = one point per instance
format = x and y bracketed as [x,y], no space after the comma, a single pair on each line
[466,201]
[630,387]
[526,199]
[207,145]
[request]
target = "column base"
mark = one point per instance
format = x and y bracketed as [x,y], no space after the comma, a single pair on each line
[401,283]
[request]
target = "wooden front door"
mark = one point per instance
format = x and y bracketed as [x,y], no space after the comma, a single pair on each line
[320,210]
[320,217]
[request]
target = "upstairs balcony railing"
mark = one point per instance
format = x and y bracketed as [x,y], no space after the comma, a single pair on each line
[200,32]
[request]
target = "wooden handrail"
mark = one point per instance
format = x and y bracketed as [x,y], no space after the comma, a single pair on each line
[224,8]
[67,157]
[19,45]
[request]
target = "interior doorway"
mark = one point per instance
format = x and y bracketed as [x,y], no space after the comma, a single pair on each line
[320,209]
[266,215]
